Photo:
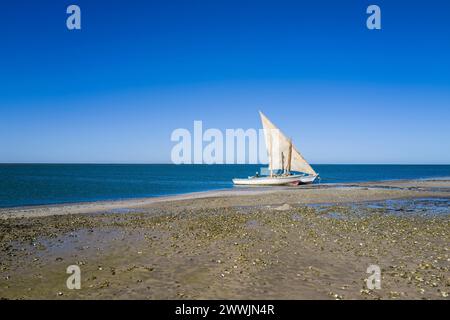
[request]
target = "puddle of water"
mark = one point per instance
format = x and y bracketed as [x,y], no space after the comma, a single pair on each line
[326,211]
[424,207]
[123,210]
[82,240]
[252,224]
[334,215]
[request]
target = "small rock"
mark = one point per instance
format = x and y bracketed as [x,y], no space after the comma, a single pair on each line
[284,207]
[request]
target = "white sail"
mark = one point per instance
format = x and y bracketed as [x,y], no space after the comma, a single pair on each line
[280,150]
[299,163]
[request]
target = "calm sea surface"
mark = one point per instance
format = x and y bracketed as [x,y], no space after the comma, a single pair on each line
[37,184]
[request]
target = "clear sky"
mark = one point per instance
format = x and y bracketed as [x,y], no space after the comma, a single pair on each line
[115,90]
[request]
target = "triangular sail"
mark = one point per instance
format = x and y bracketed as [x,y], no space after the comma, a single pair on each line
[279,147]
[298,163]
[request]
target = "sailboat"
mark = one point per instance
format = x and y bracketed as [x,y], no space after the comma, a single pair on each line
[282,156]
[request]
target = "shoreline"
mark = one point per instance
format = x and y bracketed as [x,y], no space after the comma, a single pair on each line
[132,203]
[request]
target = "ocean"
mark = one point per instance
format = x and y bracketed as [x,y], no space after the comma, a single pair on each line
[40,184]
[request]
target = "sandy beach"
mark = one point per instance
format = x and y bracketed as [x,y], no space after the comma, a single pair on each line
[308,242]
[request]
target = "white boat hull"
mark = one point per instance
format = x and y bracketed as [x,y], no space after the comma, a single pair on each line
[276,181]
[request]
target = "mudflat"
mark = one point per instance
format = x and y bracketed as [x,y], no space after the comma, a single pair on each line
[308,242]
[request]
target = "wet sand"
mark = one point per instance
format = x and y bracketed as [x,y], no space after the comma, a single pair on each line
[310,242]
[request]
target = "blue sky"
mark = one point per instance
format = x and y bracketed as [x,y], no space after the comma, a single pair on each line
[114,91]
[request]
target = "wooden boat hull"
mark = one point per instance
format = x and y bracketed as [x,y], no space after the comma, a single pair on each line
[276,181]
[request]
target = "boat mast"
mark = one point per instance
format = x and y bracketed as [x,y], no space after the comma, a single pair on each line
[289,160]
[269,147]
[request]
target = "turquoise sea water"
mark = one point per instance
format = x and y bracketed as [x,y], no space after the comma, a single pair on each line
[38,184]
